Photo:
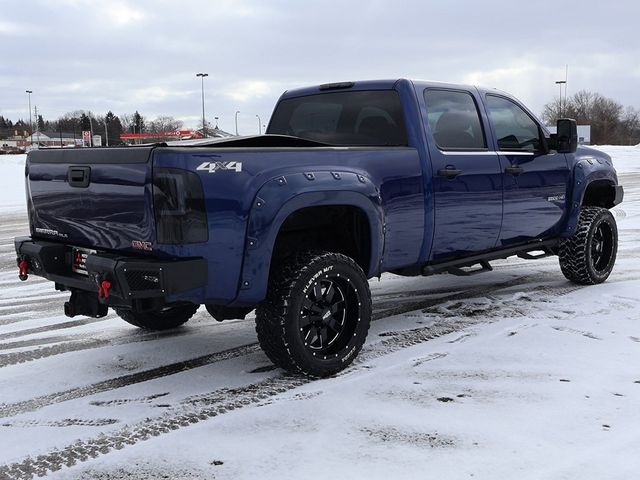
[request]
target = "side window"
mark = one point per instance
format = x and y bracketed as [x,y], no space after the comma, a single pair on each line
[454,120]
[515,129]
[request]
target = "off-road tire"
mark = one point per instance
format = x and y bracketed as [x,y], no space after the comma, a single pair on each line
[587,257]
[304,302]
[171,316]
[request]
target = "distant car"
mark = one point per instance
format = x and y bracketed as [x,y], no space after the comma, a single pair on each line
[352,179]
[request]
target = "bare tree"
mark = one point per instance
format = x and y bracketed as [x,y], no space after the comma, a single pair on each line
[164,124]
[606,116]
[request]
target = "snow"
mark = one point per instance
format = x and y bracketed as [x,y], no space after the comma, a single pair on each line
[511,374]
[12,196]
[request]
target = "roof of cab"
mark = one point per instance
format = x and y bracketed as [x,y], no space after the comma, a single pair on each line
[385,84]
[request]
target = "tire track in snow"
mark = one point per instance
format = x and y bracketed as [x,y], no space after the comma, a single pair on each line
[177,367]
[88,341]
[12,409]
[218,402]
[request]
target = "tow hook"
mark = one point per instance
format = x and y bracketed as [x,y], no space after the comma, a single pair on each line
[103,289]
[23,269]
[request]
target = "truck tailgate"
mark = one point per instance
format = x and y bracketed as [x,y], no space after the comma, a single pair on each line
[99,198]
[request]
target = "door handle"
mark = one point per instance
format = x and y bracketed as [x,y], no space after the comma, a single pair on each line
[449,171]
[79,176]
[514,170]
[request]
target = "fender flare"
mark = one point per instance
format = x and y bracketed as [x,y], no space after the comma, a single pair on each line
[278,198]
[585,172]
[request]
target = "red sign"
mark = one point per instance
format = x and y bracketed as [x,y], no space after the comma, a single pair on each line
[86,137]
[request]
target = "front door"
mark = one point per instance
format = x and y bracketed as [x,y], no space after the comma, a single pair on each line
[467,176]
[535,181]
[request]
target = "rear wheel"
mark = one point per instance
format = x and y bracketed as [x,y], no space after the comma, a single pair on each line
[316,315]
[171,316]
[588,256]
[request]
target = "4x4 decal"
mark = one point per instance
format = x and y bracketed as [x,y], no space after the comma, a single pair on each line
[213,167]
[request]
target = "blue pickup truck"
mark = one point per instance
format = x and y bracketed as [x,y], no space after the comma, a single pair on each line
[351,180]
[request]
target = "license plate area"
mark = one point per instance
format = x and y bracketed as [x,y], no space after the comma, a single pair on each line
[79,260]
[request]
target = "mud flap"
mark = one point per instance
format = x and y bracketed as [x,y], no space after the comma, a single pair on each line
[85,303]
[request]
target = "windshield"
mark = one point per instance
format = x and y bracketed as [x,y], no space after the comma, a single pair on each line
[365,118]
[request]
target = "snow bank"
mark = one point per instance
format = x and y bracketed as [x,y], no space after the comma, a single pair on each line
[625,159]
[12,196]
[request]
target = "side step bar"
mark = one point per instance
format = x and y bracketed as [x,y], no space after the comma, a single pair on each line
[460,266]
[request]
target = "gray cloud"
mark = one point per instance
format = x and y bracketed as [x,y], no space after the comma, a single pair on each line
[124,55]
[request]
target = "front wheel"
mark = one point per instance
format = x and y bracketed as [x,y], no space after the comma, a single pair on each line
[316,315]
[171,316]
[587,257]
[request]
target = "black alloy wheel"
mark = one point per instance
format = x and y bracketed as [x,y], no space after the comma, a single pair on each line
[316,315]
[324,313]
[601,247]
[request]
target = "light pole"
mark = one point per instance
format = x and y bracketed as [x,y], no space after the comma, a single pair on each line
[202,75]
[259,125]
[560,83]
[29,92]
[237,112]
[91,128]
[106,133]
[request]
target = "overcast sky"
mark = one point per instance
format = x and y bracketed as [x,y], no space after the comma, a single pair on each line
[125,55]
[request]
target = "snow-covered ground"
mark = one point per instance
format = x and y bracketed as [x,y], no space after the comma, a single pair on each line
[513,374]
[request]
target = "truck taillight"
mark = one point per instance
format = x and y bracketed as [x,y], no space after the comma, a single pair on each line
[179,207]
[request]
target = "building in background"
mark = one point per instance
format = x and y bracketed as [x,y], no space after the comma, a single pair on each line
[54,139]
[584,134]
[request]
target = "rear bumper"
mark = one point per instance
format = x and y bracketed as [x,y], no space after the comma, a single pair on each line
[140,283]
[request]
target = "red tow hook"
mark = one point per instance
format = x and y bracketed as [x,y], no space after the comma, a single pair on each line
[23,267]
[103,289]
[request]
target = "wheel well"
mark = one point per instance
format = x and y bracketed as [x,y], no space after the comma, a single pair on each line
[340,228]
[599,193]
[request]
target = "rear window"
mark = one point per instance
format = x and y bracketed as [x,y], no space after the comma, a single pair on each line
[369,118]
[454,120]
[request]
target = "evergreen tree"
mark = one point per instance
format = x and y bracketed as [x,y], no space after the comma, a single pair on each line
[114,128]
[138,122]
[22,128]
[5,131]
[41,123]
[85,124]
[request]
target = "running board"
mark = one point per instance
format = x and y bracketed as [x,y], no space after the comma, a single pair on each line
[461,266]
[461,272]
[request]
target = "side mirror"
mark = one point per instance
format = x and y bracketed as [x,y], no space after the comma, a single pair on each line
[566,138]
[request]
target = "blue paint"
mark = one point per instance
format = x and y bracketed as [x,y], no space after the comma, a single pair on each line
[415,215]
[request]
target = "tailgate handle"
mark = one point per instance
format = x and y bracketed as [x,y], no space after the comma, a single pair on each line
[79,176]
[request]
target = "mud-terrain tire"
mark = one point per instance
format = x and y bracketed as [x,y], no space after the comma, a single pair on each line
[316,315]
[587,257]
[171,316]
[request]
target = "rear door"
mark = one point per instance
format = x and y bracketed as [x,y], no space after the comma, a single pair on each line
[466,176]
[535,180]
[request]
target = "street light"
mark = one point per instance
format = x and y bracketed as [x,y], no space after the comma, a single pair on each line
[202,75]
[237,112]
[29,92]
[560,83]
[106,132]
[259,125]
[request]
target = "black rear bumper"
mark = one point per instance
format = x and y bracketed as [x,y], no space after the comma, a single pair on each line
[134,282]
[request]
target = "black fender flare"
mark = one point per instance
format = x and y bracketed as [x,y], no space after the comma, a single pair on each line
[585,172]
[281,196]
